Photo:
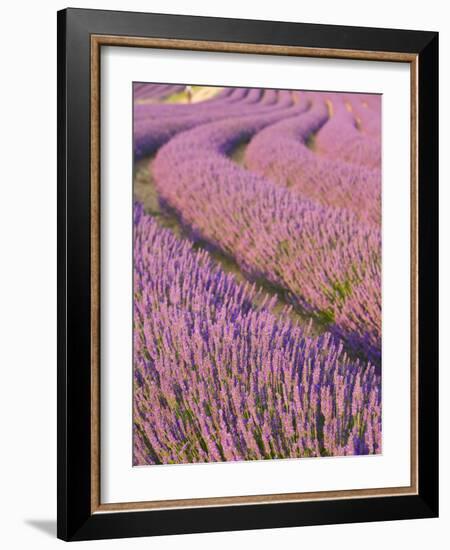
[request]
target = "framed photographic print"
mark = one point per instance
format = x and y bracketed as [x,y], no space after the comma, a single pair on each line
[247,256]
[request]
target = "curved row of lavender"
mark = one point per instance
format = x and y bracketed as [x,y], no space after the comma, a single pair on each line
[148,92]
[282,154]
[154,127]
[326,260]
[218,378]
[224,98]
[366,110]
[342,138]
[221,372]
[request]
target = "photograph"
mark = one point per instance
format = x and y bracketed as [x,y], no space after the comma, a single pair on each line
[257,274]
[247,273]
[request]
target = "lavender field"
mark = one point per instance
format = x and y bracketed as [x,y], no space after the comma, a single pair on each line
[257,274]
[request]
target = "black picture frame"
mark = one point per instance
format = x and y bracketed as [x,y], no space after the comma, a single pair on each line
[75,518]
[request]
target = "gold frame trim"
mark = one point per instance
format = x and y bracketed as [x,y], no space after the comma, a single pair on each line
[97,41]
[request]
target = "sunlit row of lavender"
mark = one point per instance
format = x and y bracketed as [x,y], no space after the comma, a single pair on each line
[257,274]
